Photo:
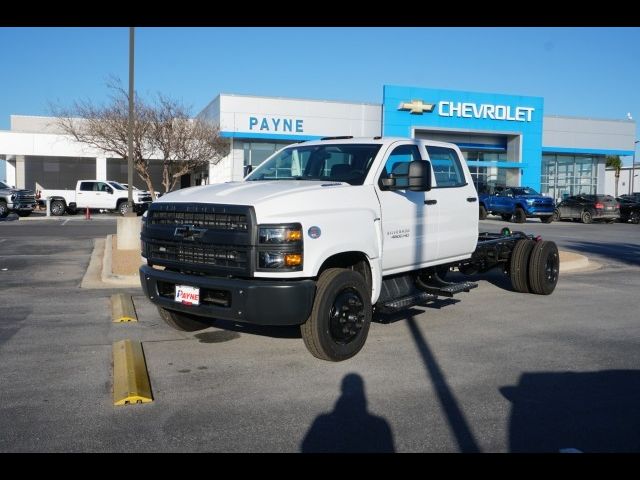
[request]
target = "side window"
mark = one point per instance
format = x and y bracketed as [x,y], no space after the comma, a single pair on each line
[398,163]
[446,167]
[101,187]
[86,186]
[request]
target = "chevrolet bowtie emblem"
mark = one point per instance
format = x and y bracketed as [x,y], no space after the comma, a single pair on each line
[416,106]
[189,232]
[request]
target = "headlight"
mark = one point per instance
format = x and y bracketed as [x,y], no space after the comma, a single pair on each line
[530,201]
[280,247]
[280,235]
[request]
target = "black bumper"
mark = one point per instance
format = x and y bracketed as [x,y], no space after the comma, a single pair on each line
[256,301]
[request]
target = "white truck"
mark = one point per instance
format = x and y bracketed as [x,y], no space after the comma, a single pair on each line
[325,232]
[95,194]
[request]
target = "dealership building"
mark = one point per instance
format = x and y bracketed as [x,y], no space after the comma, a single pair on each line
[505,139]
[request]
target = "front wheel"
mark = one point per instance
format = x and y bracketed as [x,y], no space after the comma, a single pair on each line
[556,215]
[4,210]
[341,315]
[123,208]
[520,215]
[183,321]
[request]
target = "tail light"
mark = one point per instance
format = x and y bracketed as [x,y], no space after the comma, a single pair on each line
[617,205]
[599,206]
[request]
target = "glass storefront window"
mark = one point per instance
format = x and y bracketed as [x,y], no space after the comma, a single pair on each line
[565,175]
[257,152]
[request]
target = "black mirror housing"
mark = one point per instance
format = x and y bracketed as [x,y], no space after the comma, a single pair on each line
[420,176]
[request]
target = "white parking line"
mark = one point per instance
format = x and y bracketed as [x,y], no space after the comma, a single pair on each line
[65,222]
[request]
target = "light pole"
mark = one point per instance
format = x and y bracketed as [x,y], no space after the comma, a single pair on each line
[633,167]
[130,211]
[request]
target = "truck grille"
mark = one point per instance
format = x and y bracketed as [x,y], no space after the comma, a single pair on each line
[200,238]
[226,256]
[25,196]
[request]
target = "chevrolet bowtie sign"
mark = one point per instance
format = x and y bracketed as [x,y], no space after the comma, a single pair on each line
[416,106]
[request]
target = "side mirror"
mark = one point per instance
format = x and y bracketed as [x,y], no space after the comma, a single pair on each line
[109,190]
[418,179]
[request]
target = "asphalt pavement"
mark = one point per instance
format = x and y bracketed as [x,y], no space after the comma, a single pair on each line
[490,371]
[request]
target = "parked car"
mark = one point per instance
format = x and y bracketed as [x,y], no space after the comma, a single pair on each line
[517,203]
[16,200]
[587,208]
[629,209]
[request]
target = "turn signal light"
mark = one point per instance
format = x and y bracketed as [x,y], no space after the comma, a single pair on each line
[292,259]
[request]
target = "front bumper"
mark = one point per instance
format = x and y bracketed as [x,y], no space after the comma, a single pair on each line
[22,206]
[260,302]
[539,211]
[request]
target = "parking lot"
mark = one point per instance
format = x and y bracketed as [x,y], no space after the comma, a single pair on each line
[489,371]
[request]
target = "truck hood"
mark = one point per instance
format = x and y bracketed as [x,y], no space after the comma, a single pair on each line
[536,197]
[249,193]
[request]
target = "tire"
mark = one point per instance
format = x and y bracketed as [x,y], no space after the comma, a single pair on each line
[635,217]
[519,265]
[123,208]
[520,216]
[184,322]
[57,208]
[24,214]
[556,215]
[342,301]
[4,210]
[586,217]
[547,219]
[482,212]
[506,217]
[544,268]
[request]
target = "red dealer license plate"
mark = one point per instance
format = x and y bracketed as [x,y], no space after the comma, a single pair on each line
[187,295]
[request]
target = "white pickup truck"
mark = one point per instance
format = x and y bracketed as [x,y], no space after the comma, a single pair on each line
[95,194]
[325,232]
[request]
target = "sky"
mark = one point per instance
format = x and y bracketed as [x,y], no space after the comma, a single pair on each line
[587,72]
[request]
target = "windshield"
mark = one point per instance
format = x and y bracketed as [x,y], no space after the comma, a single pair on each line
[524,191]
[339,163]
[117,186]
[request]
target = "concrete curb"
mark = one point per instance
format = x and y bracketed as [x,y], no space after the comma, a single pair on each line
[98,274]
[571,261]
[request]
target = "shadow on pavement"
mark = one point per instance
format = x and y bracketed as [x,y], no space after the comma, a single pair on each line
[349,428]
[585,411]
[292,331]
[628,253]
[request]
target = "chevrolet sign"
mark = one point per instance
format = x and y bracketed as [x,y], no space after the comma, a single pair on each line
[416,106]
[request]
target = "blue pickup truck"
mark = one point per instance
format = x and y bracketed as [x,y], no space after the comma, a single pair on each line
[517,203]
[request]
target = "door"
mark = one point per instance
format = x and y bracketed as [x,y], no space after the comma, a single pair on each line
[106,197]
[458,203]
[87,196]
[409,226]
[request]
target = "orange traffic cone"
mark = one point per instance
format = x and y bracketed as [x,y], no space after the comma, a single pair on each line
[87,214]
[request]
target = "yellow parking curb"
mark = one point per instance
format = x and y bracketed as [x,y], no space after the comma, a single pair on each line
[130,377]
[122,308]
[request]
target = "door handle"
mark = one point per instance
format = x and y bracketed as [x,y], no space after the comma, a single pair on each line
[471,199]
[430,202]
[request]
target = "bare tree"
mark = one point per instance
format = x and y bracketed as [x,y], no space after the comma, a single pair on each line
[162,130]
[184,144]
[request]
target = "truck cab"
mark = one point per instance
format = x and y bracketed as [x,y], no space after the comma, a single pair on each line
[317,236]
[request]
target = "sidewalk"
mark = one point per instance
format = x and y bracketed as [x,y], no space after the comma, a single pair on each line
[112,268]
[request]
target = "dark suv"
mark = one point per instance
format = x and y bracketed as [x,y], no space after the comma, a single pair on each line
[588,208]
[629,208]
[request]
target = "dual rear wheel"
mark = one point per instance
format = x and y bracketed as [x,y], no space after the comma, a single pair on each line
[534,267]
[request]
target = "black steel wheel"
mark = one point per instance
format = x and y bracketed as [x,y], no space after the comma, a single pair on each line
[586,217]
[520,216]
[183,321]
[519,265]
[57,208]
[482,212]
[544,268]
[4,210]
[341,315]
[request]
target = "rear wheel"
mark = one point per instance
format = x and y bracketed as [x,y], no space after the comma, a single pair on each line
[4,210]
[341,315]
[506,217]
[520,216]
[57,208]
[586,217]
[483,212]
[544,267]
[183,321]
[519,265]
